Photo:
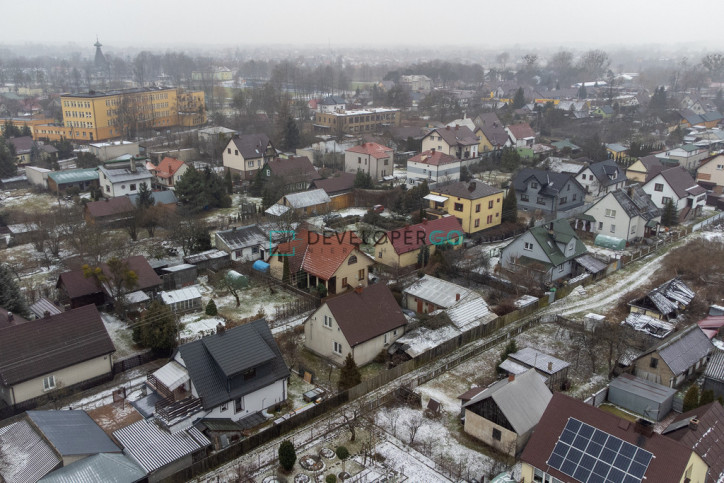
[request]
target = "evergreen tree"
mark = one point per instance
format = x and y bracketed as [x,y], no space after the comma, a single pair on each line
[228,182]
[25,131]
[211,308]
[349,376]
[286,276]
[519,99]
[510,159]
[669,214]
[706,397]
[287,455]
[145,197]
[8,167]
[201,190]
[510,207]
[465,174]
[582,94]
[291,139]
[158,328]
[363,180]
[691,398]
[510,348]
[11,298]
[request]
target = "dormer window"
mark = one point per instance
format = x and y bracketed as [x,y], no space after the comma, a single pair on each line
[534,185]
[249,374]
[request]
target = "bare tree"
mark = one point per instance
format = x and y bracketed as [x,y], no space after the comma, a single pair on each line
[413,426]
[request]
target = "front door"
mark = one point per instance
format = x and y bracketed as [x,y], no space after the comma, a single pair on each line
[419,306]
[332,286]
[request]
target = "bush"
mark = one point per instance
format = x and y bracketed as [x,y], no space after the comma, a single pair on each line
[330,478]
[342,452]
[691,398]
[211,308]
[287,455]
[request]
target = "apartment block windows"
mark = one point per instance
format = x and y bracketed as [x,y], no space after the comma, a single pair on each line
[458,207]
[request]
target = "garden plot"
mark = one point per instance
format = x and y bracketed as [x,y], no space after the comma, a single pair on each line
[122,336]
[29,200]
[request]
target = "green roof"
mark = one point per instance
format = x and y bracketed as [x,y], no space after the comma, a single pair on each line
[565,144]
[74,175]
[562,233]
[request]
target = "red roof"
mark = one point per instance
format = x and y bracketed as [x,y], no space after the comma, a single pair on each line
[109,207]
[670,457]
[373,149]
[319,255]
[167,167]
[428,232]
[433,157]
[521,130]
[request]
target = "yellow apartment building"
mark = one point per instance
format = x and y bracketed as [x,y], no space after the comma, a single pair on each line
[475,204]
[357,121]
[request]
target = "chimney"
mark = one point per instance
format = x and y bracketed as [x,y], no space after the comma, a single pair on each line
[471,186]
[511,377]
[550,366]
[693,424]
[358,288]
[447,128]
[457,297]
[133,165]
[432,151]
[46,314]
[220,328]
[11,317]
[645,427]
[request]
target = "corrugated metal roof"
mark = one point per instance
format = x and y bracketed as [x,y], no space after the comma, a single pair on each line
[172,375]
[137,297]
[688,347]
[437,291]
[245,236]
[641,387]
[470,309]
[153,447]
[277,210]
[178,268]
[105,467]
[74,175]
[31,457]
[42,306]
[180,295]
[119,175]
[650,325]
[308,198]
[590,263]
[73,432]
[715,367]
[539,360]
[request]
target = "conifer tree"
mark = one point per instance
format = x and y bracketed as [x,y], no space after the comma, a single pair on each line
[10,297]
[510,207]
[349,376]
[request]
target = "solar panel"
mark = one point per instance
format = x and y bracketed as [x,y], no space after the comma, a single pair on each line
[590,455]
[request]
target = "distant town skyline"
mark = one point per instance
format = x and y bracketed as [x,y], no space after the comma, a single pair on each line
[375,23]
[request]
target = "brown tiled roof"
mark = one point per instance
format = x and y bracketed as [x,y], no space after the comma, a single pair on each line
[45,345]
[109,207]
[521,130]
[670,457]
[368,314]
[318,255]
[470,393]
[251,146]
[458,135]
[297,166]
[707,440]
[77,285]
[373,149]
[433,158]
[472,190]
[337,184]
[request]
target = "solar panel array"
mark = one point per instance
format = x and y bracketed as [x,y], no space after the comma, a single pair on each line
[590,455]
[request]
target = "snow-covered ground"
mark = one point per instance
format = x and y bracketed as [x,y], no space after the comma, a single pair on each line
[121,335]
[198,325]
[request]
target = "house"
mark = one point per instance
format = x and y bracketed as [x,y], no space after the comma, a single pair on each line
[168,172]
[70,350]
[714,374]
[334,261]
[665,301]
[232,374]
[37,176]
[639,396]
[677,185]
[432,166]
[246,243]
[183,300]
[565,144]
[410,245]
[215,134]
[457,141]
[553,370]
[603,112]
[492,137]
[505,414]
[553,193]
[710,174]
[575,442]
[332,104]
[82,179]
[115,467]
[702,430]
[26,149]
[416,83]
[601,178]
[159,452]
[476,205]
[109,212]
[430,294]
[627,213]
[247,153]
[362,322]
[304,203]
[616,151]
[688,155]
[113,149]
[120,179]
[76,290]
[372,158]
[644,169]
[339,184]
[673,360]
[521,135]
[548,252]
[296,173]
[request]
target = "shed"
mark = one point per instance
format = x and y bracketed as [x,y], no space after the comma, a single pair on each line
[179,276]
[714,374]
[209,260]
[187,299]
[611,242]
[651,400]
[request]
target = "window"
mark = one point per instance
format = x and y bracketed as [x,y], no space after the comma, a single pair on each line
[633,229]
[560,269]
[613,228]
[249,374]
[575,195]
[359,160]
[387,162]
[48,383]
[528,246]
[328,321]
[132,187]
[600,225]
[658,187]
[524,198]
[458,207]
[563,200]
[238,405]
[665,200]
[497,434]
[108,189]
[228,150]
[268,172]
[720,166]
[337,348]
[611,213]
[654,363]
[490,204]
[361,274]
[477,208]
[224,406]
[236,152]
[250,164]
[477,223]
[534,185]
[352,260]
[490,219]
[540,201]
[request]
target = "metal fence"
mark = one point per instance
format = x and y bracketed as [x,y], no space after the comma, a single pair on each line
[597,398]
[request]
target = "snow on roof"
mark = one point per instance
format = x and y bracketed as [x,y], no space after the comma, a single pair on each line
[437,291]
[31,457]
[471,309]
[172,375]
[277,210]
[308,198]
[137,297]
[650,325]
[539,360]
[181,295]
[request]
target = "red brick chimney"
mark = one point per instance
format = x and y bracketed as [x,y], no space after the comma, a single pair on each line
[511,377]
[457,297]
[358,288]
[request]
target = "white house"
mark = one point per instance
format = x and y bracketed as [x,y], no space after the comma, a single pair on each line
[247,243]
[688,155]
[677,185]
[120,179]
[372,158]
[246,154]
[601,178]
[332,104]
[432,166]
[114,149]
[185,299]
[627,213]
[169,171]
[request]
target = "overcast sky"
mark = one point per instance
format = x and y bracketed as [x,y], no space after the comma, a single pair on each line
[375,23]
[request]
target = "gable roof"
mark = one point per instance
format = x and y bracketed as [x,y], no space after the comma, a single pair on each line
[671,457]
[340,183]
[106,467]
[683,349]
[109,207]
[165,197]
[437,291]
[366,314]
[305,199]
[608,172]
[373,149]
[251,146]
[409,238]
[121,172]
[74,175]
[78,285]
[487,118]
[22,144]
[562,233]
[216,362]
[45,345]
[433,158]
[317,254]
[667,296]
[471,190]
[707,440]
[636,202]
[681,182]
[167,167]
[522,400]
[521,130]
[494,133]
[297,166]
[539,360]
[715,368]
[550,183]
[456,136]
[31,456]
[72,432]
[242,237]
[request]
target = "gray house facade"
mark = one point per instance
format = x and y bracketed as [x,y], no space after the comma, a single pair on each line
[552,193]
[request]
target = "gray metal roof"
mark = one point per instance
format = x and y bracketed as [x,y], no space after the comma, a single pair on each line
[636,202]
[31,457]
[118,175]
[181,294]
[43,305]
[591,263]
[608,172]
[242,237]
[214,361]
[73,432]
[715,367]
[153,447]
[74,175]
[470,309]
[522,401]
[308,198]
[685,349]
[437,291]
[650,325]
[641,387]
[539,360]
[105,467]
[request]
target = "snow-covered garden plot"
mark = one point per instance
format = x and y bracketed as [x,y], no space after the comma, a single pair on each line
[28,200]
[122,336]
